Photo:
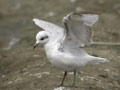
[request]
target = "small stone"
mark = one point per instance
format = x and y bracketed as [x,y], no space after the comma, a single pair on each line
[107,70]
[10,82]
[51,14]
[36,55]
[60,88]
[73,1]
[3,76]
[78,9]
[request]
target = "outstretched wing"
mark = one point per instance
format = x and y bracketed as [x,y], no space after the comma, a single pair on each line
[55,32]
[78,29]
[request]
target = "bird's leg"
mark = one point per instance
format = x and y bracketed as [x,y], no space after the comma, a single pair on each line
[74,78]
[63,78]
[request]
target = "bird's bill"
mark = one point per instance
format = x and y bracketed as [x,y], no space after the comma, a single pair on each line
[35,45]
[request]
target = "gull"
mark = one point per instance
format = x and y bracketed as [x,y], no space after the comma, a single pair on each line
[63,46]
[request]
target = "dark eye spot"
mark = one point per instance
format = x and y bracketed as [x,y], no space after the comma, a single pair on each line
[44,38]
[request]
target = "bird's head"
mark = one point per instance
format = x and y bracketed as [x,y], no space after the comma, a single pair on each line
[41,38]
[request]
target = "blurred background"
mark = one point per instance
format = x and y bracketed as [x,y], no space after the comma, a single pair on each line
[21,68]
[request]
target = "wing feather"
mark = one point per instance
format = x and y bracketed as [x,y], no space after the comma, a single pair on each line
[77,31]
[56,32]
[78,28]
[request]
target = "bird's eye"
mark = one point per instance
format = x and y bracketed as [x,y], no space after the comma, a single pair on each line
[44,38]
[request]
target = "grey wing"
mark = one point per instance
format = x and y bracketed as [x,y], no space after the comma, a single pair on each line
[55,32]
[78,29]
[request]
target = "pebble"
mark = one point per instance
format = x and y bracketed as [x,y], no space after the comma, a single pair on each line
[51,14]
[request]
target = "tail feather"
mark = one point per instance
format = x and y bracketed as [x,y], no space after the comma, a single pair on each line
[97,60]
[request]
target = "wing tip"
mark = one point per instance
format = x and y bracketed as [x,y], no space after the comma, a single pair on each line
[35,19]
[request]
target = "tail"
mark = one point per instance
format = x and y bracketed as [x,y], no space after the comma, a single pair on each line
[97,60]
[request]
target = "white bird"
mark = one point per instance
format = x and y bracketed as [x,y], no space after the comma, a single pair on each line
[63,46]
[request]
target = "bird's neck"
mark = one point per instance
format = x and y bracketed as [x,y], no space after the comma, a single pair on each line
[50,47]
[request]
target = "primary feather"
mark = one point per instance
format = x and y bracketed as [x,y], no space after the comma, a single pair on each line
[78,28]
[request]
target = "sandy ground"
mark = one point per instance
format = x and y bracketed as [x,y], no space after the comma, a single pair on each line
[21,68]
